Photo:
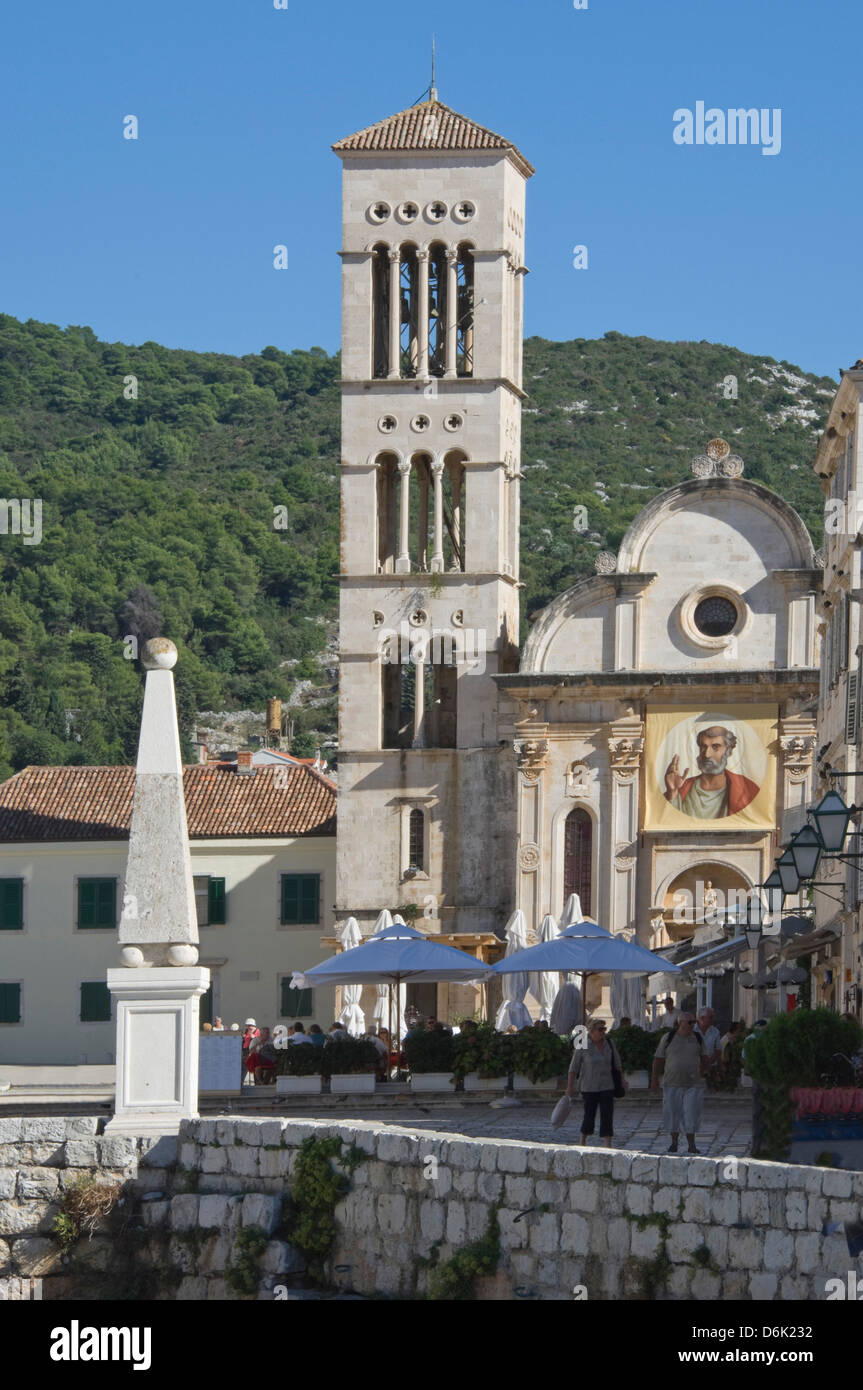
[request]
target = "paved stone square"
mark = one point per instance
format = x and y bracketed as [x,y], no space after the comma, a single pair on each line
[726,1127]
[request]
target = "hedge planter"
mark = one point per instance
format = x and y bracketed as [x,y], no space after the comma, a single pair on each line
[638,1080]
[299,1085]
[474,1082]
[352,1083]
[432,1081]
[524,1083]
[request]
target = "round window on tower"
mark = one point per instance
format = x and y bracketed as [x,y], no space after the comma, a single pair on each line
[407,212]
[716,616]
[464,211]
[379,212]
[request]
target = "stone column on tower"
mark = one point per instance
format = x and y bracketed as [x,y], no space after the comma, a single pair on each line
[159,983]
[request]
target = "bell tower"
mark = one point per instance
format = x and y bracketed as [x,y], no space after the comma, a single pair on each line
[432,323]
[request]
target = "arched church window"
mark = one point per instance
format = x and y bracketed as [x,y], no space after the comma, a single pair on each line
[380,311]
[408,312]
[464,312]
[416,839]
[578,858]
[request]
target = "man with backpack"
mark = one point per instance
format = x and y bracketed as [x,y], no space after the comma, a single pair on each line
[681,1063]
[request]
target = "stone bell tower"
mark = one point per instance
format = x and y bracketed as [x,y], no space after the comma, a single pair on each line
[433,276]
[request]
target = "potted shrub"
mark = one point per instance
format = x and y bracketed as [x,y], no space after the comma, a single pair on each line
[350,1063]
[807,1050]
[299,1070]
[483,1060]
[429,1056]
[539,1057]
[636,1049]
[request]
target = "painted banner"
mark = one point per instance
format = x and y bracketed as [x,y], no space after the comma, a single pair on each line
[716,764]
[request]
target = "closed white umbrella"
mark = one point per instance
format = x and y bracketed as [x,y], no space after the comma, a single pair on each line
[566,1010]
[513,1011]
[627,1000]
[543,985]
[352,1015]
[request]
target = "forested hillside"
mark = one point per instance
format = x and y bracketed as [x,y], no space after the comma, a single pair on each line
[159,497]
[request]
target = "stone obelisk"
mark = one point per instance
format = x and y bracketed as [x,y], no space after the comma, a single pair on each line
[159,983]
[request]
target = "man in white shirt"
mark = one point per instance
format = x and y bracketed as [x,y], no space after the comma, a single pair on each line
[710,1036]
[299,1035]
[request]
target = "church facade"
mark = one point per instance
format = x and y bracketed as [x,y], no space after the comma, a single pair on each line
[644,747]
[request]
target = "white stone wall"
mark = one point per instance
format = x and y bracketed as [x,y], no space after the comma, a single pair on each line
[735,1229]
[614,1225]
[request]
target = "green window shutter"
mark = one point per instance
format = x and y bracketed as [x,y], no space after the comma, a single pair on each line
[97,902]
[311,892]
[301,897]
[86,902]
[216,904]
[11,904]
[296,1003]
[10,1003]
[290,898]
[95,1002]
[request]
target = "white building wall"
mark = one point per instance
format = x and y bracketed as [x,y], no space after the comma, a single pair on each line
[50,958]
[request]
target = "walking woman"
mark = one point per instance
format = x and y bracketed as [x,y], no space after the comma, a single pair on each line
[594,1067]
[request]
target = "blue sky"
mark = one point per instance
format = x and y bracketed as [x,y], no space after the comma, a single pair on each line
[171,237]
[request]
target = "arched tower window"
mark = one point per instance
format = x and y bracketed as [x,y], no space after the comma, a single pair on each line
[465,312]
[437,310]
[380,311]
[454,510]
[416,839]
[422,518]
[408,312]
[387,512]
[578,858]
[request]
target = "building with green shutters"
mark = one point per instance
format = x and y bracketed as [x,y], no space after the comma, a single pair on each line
[263,855]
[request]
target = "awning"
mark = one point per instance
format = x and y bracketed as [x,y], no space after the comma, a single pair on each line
[808,943]
[715,956]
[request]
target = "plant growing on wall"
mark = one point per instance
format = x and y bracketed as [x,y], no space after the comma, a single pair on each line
[84,1206]
[456,1279]
[429,1049]
[539,1054]
[316,1186]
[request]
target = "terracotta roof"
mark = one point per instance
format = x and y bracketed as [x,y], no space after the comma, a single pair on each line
[429,126]
[95,803]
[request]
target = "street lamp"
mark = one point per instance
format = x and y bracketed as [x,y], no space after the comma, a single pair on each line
[754,915]
[831,817]
[806,848]
[787,870]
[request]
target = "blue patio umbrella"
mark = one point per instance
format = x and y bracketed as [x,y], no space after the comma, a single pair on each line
[394,955]
[586,948]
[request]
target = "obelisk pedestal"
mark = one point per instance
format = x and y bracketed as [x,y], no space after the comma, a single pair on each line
[159,983]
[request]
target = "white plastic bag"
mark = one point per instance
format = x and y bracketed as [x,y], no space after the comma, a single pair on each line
[560,1114]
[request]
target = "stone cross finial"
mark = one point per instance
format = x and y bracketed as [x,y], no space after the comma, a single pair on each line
[717,461]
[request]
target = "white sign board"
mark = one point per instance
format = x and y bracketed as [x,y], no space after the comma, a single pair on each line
[220,1061]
